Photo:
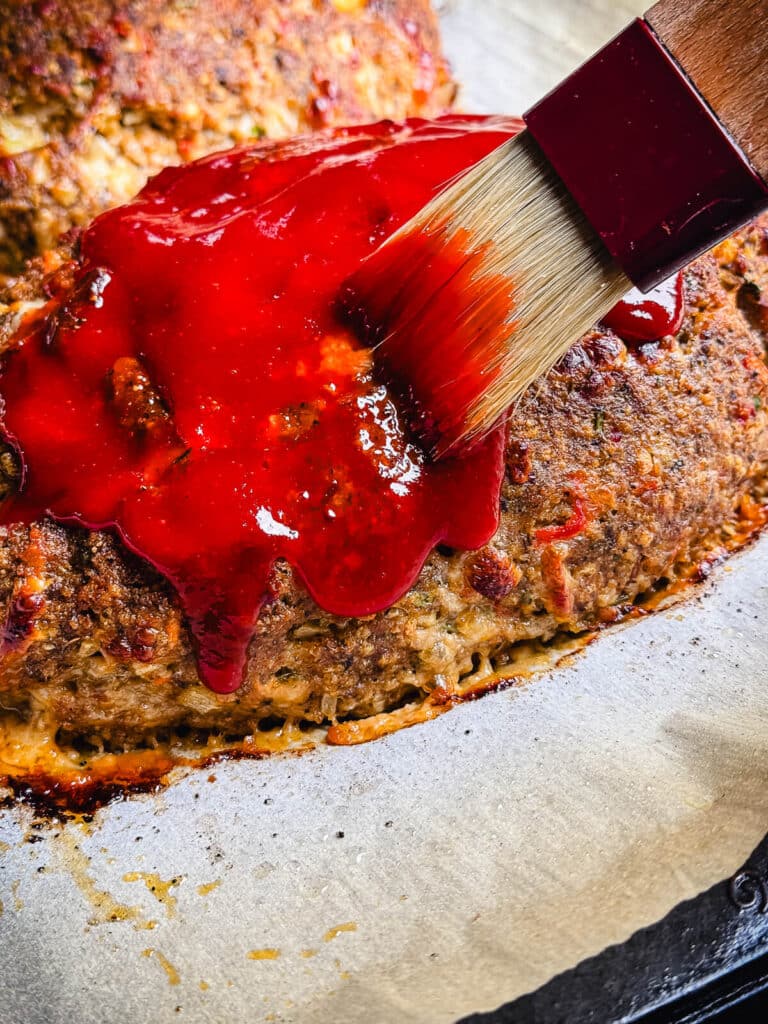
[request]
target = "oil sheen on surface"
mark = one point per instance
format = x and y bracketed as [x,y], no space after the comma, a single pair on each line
[196,391]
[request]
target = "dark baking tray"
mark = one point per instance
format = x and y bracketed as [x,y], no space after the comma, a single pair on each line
[707,955]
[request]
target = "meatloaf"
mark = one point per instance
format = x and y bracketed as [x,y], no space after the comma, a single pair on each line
[96,95]
[664,444]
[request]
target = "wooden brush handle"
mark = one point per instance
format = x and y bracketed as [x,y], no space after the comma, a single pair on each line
[722,45]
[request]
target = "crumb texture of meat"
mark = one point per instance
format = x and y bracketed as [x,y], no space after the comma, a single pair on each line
[95,96]
[625,466]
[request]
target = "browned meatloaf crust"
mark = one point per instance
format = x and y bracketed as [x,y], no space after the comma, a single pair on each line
[95,95]
[662,444]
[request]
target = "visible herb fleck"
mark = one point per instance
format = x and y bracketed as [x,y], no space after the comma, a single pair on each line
[758,402]
[599,421]
[258,132]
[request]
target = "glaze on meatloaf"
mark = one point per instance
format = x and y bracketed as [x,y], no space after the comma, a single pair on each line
[96,95]
[664,445]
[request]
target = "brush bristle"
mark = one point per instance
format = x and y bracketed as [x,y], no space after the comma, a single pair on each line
[483,291]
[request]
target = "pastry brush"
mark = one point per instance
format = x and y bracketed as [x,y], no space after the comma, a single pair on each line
[647,155]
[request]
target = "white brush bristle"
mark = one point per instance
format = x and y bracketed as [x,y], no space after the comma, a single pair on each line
[535,242]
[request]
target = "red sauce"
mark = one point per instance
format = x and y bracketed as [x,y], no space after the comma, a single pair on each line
[649,316]
[196,391]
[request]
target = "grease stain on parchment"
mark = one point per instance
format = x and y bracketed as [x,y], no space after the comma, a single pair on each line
[18,902]
[264,954]
[344,975]
[106,908]
[334,933]
[173,975]
[158,887]
[208,887]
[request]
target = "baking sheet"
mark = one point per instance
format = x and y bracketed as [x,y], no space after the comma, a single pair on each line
[445,869]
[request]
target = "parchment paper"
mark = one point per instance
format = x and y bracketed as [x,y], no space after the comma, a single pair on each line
[443,870]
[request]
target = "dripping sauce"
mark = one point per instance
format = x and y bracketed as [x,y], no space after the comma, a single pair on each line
[195,390]
[648,316]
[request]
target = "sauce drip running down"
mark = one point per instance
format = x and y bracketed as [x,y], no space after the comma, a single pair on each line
[641,317]
[196,392]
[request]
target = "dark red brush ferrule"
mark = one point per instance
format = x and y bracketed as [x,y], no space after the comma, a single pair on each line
[651,167]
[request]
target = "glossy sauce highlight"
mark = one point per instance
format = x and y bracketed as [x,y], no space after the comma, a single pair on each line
[642,317]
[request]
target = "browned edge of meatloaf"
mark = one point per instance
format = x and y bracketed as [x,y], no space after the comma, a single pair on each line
[96,96]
